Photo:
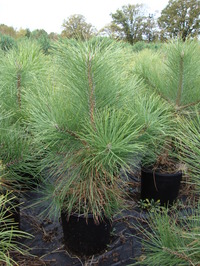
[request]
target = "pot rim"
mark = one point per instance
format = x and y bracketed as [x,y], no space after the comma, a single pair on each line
[82,216]
[150,171]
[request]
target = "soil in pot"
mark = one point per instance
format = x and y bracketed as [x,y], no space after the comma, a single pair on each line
[83,236]
[160,186]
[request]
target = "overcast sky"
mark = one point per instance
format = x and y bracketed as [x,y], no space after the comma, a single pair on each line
[50,14]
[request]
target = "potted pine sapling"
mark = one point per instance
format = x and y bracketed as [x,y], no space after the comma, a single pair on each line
[190,146]
[21,68]
[174,75]
[171,236]
[14,151]
[156,117]
[10,235]
[86,135]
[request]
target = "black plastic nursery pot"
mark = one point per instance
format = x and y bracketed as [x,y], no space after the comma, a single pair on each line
[160,186]
[83,236]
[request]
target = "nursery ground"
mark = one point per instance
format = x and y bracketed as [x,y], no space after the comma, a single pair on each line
[48,247]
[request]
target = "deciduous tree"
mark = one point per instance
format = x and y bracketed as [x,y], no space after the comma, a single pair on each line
[76,27]
[6,30]
[180,18]
[150,28]
[43,39]
[21,33]
[127,23]
[6,42]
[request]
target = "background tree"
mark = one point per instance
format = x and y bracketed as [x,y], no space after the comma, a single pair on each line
[6,30]
[111,30]
[36,34]
[7,42]
[180,18]
[128,22]
[28,33]
[150,29]
[43,39]
[76,27]
[53,36]
[21,33]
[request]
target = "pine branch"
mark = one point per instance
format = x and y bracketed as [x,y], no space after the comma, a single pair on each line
[91,92]
[155,88]
[71,133]
[179,255]
[14,162]
[180,85]
[188,105]
[19,89]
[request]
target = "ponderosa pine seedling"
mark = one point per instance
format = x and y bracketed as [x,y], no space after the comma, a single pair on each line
[84,128]
[174,75]
[21,70]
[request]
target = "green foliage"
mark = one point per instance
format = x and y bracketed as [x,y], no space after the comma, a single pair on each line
[7,42]
[172,237]
[77,28]
[16,154]
[28,33]
[182,73]
[180,18]
[132,25]
[189,137]
[20,69]
[139,46]
[157,121]
[84,130]
[7,30]
[9,232]
[149,205]
[21,33]
[173,73]
[128,23]
[73,73]
[150,29]
[41,36]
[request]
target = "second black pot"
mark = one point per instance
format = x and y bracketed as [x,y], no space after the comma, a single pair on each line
[85,237]
[160,186]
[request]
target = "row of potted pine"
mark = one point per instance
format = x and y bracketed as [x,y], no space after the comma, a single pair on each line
[82,115]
